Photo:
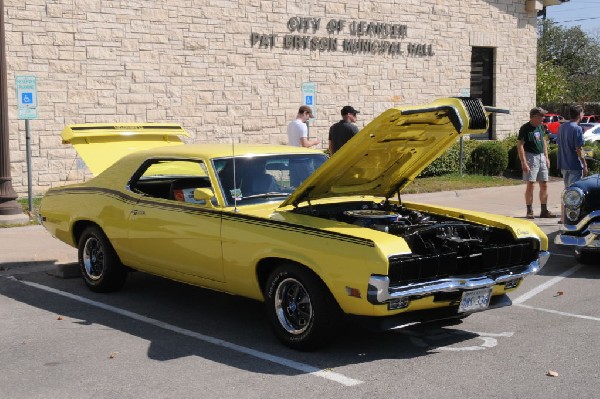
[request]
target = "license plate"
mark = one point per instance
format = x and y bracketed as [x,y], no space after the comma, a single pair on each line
[473,301]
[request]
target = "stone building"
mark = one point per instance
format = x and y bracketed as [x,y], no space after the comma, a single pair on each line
[235,69]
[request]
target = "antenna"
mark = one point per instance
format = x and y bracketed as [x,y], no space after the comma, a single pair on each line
[235,189]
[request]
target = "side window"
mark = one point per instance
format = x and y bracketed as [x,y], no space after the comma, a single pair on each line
[172,179]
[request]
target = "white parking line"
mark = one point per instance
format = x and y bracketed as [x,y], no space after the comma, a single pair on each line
[579,316]
[547,284]
[305,368]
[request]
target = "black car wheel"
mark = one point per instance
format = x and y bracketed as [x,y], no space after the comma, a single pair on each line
[302,311]
[587,257]
[99,264]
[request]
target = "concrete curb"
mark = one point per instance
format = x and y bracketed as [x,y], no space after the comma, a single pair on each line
[60,270]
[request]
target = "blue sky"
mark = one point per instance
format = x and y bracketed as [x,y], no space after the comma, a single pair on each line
[585,13]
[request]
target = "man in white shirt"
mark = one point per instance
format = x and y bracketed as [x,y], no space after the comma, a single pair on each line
[297,130]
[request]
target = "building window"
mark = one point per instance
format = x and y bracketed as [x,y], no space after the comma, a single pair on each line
[482,82]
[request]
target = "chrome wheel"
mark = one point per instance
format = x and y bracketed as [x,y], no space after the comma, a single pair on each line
[303,313]
[100,266]
[292,306]
[93,259]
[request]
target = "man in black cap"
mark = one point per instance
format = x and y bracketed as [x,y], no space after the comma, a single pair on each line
[343,130]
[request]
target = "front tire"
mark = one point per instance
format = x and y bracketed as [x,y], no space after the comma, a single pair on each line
[587,257]
[303,313]
[99,264]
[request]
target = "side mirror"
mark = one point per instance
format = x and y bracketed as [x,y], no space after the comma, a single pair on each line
[204,196]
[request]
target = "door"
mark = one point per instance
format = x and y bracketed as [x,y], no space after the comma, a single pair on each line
[169,232]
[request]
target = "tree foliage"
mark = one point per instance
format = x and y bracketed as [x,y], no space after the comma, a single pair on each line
[552,83]
[568,67]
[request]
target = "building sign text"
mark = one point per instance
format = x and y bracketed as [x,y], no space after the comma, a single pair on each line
[376,38]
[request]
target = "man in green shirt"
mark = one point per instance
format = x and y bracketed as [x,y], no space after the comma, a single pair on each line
[533,153]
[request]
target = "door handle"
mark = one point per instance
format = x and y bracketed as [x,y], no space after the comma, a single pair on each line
[137,212]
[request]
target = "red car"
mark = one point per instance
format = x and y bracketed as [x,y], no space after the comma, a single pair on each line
[552,122]
[590,119]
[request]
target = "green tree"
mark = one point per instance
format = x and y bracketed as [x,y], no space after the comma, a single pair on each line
[552,83]
[569,56]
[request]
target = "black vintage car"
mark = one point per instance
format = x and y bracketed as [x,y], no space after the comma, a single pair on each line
[581,228]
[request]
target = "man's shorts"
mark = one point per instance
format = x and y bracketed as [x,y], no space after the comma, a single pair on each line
[538,169]
[571,176]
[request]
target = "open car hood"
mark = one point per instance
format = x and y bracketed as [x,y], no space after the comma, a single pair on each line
[102,144]
[393,149]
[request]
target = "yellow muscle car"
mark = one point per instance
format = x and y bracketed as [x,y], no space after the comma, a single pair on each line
[318,240]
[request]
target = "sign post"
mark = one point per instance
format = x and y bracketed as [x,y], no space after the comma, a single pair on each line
[309,97]
[27,105]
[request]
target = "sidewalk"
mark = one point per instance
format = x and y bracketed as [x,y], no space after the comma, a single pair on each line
[504,200]
[31,245]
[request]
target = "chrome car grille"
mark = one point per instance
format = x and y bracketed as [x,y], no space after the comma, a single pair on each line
[491,260]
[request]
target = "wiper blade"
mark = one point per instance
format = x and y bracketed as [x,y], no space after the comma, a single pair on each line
[267,195]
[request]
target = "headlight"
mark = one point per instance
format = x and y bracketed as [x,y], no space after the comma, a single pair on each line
[573,197]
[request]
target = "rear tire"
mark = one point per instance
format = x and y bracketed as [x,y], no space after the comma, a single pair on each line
[303,313]
[99,264]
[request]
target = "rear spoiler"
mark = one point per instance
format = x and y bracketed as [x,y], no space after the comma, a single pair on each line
[102,144]
[89,130]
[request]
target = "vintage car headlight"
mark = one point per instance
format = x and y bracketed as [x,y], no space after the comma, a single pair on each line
[573,197]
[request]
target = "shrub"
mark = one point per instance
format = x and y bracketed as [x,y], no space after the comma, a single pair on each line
[449,162]
[514,162]
[553,156]
[510,143]
[490,159]
[594,166]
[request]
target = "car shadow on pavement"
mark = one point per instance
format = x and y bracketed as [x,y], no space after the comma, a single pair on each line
[562,259]
[221,317]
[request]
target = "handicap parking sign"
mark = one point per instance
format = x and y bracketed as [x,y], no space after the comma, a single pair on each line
[27,98]
[309,95]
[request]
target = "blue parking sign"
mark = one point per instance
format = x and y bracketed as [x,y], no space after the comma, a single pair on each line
[309,95]
[27,101]
[27,98]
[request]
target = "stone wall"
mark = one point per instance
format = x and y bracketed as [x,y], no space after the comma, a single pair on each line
[234,69]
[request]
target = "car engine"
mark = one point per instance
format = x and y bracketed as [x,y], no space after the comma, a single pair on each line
[441,246]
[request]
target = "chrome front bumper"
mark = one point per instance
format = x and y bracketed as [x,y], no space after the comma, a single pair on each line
[380,292]
[586,233]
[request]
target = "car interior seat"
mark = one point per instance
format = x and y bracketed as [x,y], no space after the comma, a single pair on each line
[253,184]
[182,189]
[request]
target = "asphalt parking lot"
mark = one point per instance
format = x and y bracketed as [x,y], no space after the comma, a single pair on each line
[159,338]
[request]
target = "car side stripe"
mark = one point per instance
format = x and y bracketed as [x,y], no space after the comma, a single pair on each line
[148,201]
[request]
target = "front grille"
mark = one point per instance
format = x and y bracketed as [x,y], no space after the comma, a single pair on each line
[492,260]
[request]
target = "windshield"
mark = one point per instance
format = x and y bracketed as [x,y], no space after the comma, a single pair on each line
[258,179]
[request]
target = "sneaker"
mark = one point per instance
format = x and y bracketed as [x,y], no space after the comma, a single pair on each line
[547,214]
[530,215]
